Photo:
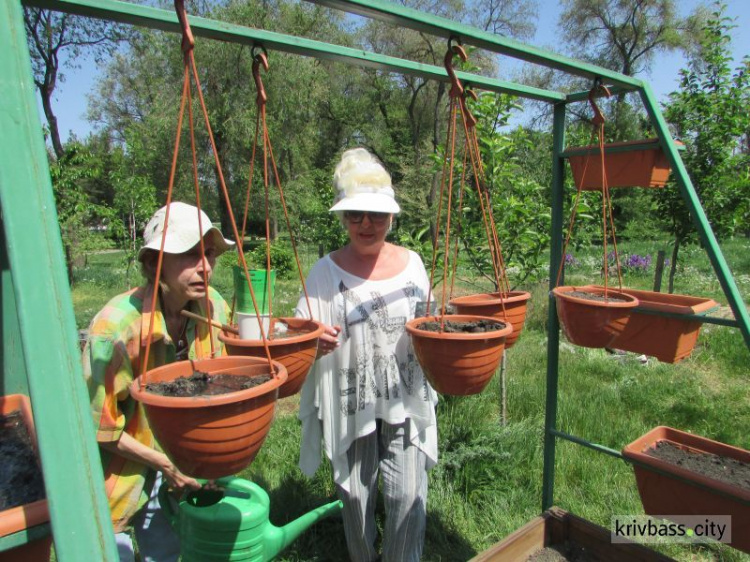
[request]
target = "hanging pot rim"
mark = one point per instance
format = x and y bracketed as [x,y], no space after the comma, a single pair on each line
[623,300]
[412,327]
[234,339]
[489,299]
[211,366]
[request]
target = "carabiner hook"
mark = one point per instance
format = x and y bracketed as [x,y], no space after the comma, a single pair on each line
[258,60]
[188,42]
[454,50]
[595,90]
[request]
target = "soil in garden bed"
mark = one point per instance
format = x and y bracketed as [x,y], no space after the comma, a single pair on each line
[205,384]
[597,297]
[21,479]
[453,327]
[725,469]
[565,552]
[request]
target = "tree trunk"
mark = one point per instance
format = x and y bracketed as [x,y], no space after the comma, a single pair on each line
[673,265]
[54,131]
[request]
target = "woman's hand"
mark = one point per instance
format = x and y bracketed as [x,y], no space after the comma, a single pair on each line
[177,481]
[329,340]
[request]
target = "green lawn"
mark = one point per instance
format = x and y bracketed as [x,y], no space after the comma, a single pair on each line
[488,481]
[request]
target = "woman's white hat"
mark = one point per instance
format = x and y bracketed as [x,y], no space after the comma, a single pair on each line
[182,230]
[362,184]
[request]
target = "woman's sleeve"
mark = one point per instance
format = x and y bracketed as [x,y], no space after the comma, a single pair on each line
[108,374]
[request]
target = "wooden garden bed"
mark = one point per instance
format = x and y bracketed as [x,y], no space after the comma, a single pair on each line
[558,527]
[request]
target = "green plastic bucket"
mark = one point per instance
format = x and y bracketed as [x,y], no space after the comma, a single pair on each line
[259,281]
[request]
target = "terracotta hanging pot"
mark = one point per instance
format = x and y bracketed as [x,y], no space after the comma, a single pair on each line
[668,339]
[23,517]
[668,489]
[510,307]
[590,318]
[296,350]
[646,167]
[458,364]
[211,436]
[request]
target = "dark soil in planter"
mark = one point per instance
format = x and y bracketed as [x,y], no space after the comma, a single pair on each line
[597,297]
[724,469]
[452,327]
[21,479]
[565,552]
[205,384]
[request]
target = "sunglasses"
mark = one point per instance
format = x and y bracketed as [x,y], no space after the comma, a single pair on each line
[356,217]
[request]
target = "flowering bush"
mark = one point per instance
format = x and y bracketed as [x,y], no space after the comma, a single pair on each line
[570,261]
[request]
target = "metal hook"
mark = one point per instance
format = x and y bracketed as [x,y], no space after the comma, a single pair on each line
[258,60]
[598,89]
[454,50]
[188,42]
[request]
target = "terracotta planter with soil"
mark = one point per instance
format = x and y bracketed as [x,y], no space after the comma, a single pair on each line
[210,436]
[701,484]
[296,349]
[634,168]
[510,307]
[559,535]
[459,363]
[591,318]
[22,491]
[668,339]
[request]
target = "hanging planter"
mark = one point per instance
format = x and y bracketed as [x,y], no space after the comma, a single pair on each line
[20,472]
[296,349]
[625,166]
[210,436]
[689,489]
[508,306]
[668,339]
[458,364]
[591,316]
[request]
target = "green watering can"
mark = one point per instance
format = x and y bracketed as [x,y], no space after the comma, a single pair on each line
[232,523]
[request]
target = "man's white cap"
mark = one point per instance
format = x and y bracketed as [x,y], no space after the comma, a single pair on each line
[362,184]
[182,230]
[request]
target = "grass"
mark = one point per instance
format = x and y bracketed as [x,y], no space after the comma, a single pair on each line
[489,478]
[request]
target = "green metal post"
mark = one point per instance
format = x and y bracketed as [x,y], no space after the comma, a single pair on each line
[698,214]
[44,314]
[553,324]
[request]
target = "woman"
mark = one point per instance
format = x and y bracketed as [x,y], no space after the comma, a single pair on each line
[366,398]
[132,460]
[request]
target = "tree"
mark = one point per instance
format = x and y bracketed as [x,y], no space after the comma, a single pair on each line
[49,35]
[625,35]
[709,113]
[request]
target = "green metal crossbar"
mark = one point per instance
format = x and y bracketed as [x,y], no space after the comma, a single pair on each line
[154,18]
[36,298]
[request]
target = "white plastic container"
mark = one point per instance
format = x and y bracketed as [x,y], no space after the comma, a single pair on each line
[248,325]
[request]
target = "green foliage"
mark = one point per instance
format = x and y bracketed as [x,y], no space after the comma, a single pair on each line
[81,220]
[709,112]
[282,259]
[519,200]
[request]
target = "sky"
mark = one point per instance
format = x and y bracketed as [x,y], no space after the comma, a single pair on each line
[71,99]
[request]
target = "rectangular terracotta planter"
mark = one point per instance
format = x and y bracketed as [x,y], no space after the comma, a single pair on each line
[556,526]
[22,517]
[668,489]
[668,339]
[634,168]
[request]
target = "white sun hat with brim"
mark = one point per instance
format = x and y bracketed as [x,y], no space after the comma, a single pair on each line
[362,184]
[182,231]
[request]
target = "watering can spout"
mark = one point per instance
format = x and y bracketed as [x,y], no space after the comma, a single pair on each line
[278,538]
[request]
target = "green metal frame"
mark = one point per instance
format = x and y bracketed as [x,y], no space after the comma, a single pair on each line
[36,297]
